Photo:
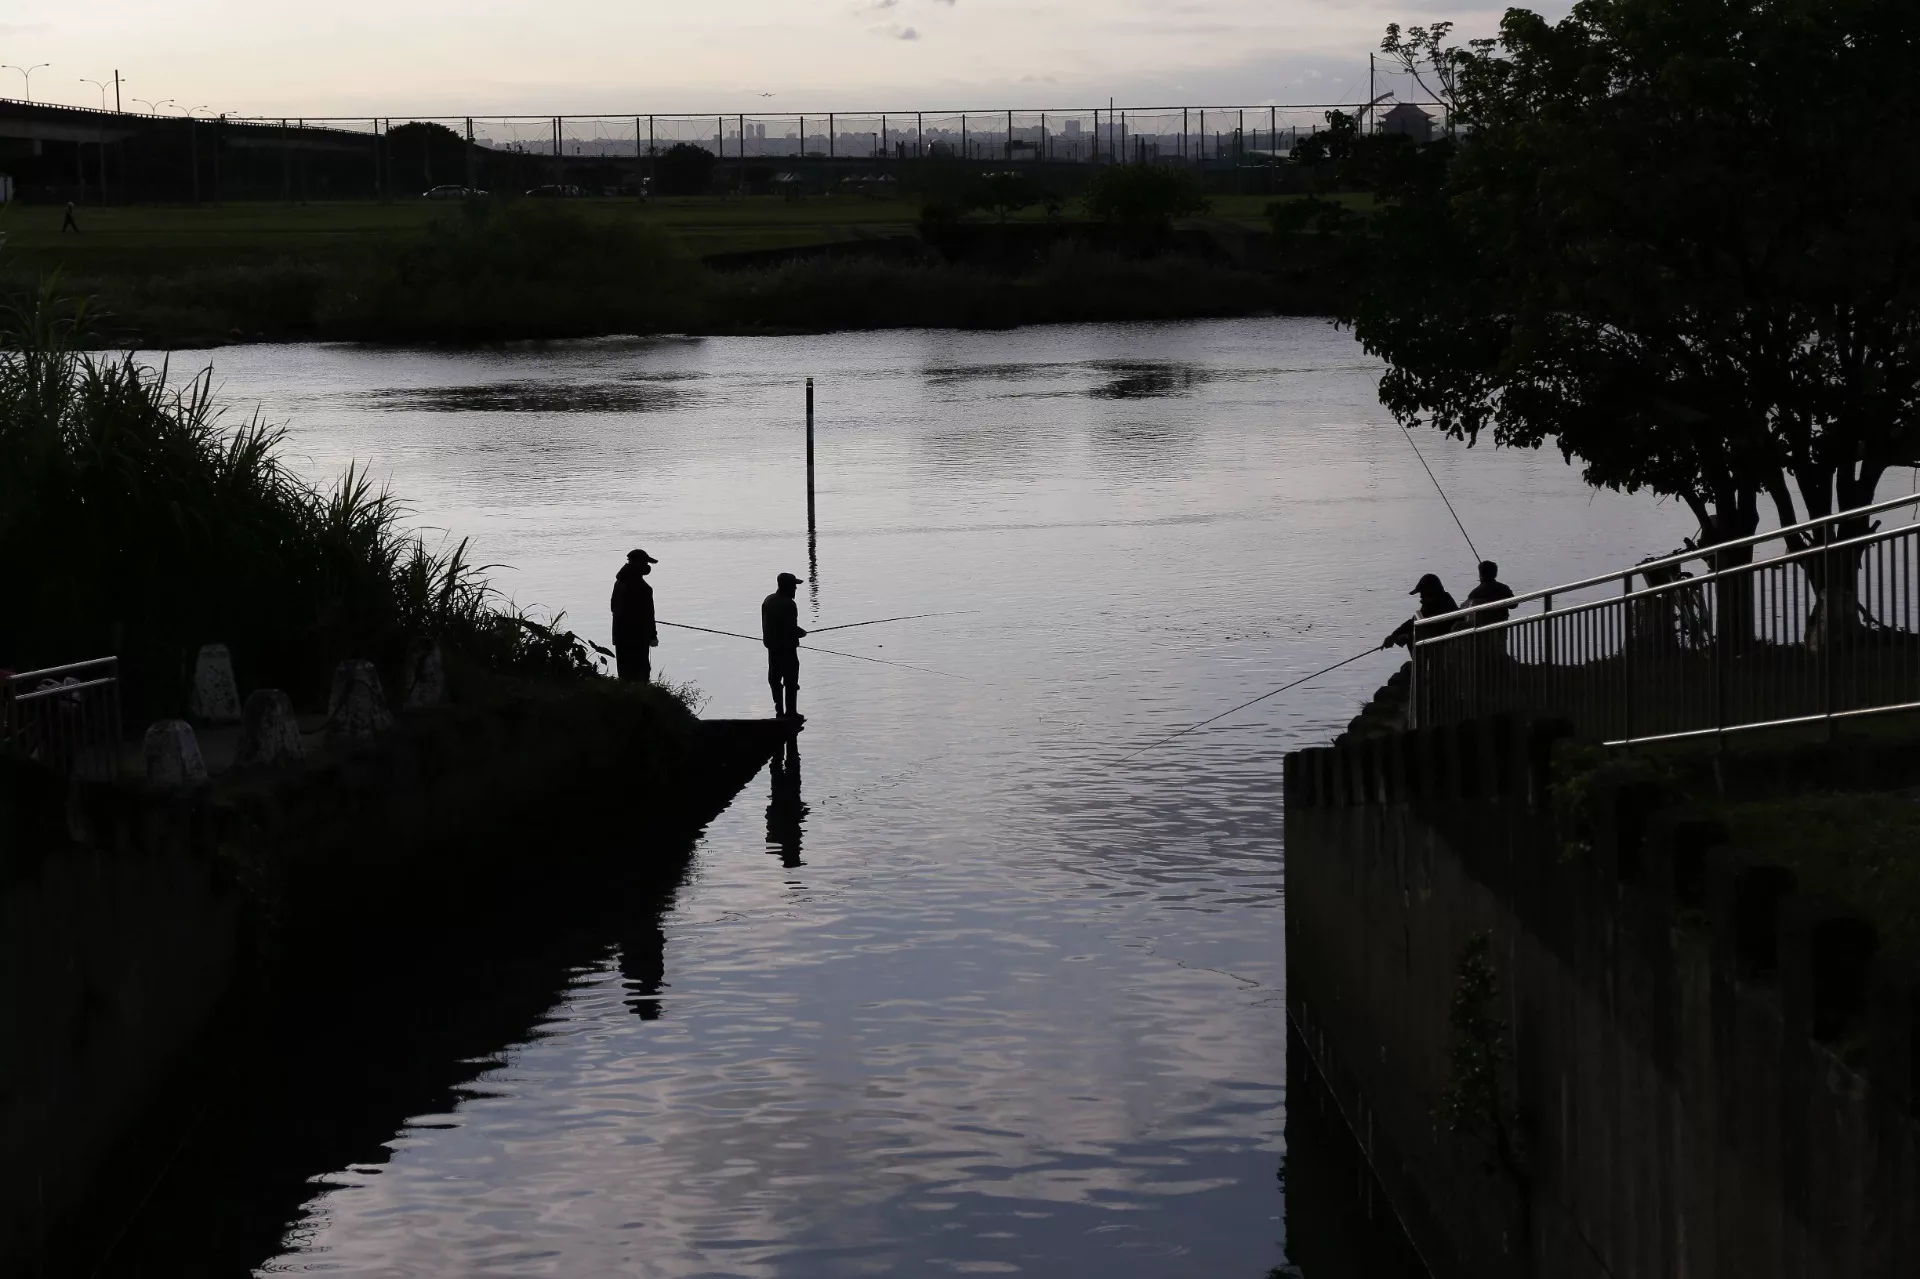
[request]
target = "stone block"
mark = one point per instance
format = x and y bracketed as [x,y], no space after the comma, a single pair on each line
[425,681]
[215,698]
[269,731]
[173,754]
[357,705]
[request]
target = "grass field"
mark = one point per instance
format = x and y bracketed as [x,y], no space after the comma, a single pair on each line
[164,238]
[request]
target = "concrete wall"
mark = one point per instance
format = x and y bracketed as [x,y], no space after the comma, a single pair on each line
[126,915]
[1707,1074]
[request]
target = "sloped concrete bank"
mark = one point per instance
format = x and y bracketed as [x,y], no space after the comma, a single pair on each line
[133,919]
[1594,1039]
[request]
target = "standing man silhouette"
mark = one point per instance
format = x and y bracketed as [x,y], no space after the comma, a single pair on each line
[634,633]
[67,223]
[780,631]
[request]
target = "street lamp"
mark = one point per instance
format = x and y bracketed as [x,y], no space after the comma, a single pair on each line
[153,108]
[26,73]
[100,85]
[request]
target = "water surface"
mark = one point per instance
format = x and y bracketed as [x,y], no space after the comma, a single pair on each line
[971,988]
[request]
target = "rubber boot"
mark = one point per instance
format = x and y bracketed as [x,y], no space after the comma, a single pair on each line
[793,705]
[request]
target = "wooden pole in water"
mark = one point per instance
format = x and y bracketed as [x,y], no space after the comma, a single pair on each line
[809,453]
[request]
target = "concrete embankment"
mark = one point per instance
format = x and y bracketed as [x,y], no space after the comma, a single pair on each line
[133,918]
[1581,1034]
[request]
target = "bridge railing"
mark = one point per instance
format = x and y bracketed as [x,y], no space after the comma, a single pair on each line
[1826,628]
[66,717]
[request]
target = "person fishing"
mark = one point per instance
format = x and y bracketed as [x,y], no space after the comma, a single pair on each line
[1434,602]
[1490,590]
[634,633]
[780,631]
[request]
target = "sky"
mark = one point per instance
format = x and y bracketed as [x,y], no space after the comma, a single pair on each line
[480,57]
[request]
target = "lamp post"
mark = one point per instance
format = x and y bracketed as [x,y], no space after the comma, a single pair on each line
[26,74]
[153,108]
[100,85]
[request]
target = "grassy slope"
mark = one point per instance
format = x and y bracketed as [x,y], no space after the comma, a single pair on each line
[151,239]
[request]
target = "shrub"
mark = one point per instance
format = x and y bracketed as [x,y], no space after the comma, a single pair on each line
[683,169]
[1143,196]
[134,522]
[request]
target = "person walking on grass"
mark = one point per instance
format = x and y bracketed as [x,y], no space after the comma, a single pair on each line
[67,223]
[634,632]
[780,631]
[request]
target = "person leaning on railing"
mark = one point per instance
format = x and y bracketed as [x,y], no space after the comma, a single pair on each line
[1434,602]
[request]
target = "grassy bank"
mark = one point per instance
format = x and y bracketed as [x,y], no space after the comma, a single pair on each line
[136,519]
[420,272]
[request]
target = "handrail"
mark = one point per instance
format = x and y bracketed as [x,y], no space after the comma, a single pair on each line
[1646,592]
[1702,552]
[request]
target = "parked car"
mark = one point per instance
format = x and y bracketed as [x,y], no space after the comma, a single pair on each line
[451,193]
[556,191]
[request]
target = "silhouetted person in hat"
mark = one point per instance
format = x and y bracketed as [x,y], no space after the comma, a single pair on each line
[634,633]
[780,631]
[1434,601]
[1489,590]
[67,223]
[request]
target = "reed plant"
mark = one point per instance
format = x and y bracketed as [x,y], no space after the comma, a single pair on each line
[135,520]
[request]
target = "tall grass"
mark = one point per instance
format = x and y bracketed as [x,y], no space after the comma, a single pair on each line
[134,520]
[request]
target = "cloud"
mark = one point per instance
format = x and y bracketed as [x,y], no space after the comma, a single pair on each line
[905,33]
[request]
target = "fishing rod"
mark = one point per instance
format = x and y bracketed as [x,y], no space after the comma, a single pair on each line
[832,652]
[911,617]
[1442,492]
[1242,706]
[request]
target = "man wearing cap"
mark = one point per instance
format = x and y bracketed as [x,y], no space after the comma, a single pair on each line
[634,633]
[780,631]
[1434,601]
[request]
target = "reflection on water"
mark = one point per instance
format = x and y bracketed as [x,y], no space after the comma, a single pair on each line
[1011,1003]
[651,395]
[1140,381]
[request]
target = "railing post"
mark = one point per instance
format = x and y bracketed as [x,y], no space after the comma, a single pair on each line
[1826,625]
[1413,679]
[1626,661]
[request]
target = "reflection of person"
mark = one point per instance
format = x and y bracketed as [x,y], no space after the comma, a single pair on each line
[780,631]
[1434,601]
[786,811]
[1490,590]
[643,966]
[634,634]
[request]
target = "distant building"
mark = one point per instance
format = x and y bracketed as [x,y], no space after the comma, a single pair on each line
[1410,120]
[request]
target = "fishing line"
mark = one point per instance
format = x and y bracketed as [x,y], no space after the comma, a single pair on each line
[1442,492]
[911,617]
[1242,706]
[832,652]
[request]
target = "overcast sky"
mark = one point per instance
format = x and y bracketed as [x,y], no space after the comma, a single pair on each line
[395,57]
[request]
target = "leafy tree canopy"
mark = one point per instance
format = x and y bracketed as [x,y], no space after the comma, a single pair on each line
[683,169]
[1143,195]
[1674,237]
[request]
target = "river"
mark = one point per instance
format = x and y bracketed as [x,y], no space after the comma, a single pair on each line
[988,992]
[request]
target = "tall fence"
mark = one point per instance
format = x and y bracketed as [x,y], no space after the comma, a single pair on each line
[66,717]
[119,156]
[1826,628]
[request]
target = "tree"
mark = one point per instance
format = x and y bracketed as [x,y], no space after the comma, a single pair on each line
[1143,196]
[1672,237]
[683,169]
[1004,193]
[438,151]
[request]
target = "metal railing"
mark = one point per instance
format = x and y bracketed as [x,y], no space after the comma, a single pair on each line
[66,717]
[1827,629]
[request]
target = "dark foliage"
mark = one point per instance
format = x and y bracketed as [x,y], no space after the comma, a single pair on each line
[683,169]
[1143,196]
[133,522]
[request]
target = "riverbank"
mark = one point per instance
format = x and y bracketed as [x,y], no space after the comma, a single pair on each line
[139,917]
[593,268]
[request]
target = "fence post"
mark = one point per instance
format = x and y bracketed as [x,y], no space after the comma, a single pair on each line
[1626,661]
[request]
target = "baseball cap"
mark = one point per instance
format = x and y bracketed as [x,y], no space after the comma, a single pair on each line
[638,554]
[1428,581]
[784,578]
